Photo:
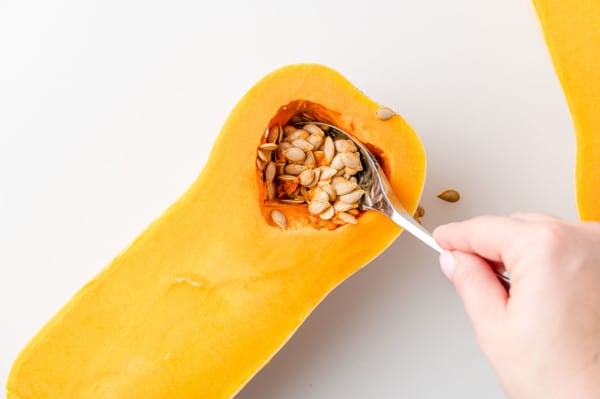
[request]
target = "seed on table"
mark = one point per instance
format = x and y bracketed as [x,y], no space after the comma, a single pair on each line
[384,113]
[327,173]
[345,146]
[328,149]
[449,195]
[279,219]
[306,177]
[268,146]
[348,218]
[270,171]
[294,154]
[352,197]
[313,129]
[294,169]
[317,206]
[328,213]
[303,144]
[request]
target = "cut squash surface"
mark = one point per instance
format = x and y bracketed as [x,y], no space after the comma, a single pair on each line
[572,32]
[213,288]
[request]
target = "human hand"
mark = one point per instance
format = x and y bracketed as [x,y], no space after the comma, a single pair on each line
[542,338]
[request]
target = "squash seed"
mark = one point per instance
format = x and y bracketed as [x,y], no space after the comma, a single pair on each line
[298,134]
[384,113]
[303,144]
[270,171]
[294,169]
[292,201]
[328,188]
[337,162]
[321,195]
[344,187]
[352,197]
[340,206]
[294,154]
[351,160]
[309,160]
[328,149]
[345,146]
[449,195]
[289,178]
[279,219]
[328,213]
[313,129]
[327,173]
[271,191]
[289,129]
[268,146]
[273,134]
[317,172]
[264,155]
[306,177]
[420,212]
[317,206]
[260,164]
[316,140]
[347,218]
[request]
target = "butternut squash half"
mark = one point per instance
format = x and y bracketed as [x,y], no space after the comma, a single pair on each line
[572,32]
[213,288]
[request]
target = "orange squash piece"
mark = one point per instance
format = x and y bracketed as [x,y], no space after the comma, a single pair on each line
[212,289]
[572,32]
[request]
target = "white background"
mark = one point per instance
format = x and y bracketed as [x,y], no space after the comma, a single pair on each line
[108,111]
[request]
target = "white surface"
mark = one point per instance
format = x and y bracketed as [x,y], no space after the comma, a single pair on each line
[108,111]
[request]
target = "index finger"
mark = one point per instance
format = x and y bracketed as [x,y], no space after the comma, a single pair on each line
[491,237]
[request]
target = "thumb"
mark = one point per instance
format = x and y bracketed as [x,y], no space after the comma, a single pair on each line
[482,294]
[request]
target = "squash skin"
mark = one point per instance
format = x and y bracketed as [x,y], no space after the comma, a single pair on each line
[210,291]
[572,33]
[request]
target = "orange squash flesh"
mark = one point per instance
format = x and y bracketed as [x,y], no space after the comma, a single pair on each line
[212,289]
[572,32]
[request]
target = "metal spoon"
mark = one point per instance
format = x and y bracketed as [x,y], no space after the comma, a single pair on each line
[380,197]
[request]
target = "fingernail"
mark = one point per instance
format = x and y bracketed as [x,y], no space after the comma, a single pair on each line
[447,263]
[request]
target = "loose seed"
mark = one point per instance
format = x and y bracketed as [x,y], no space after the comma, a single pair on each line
[352,197]
[328,213]
[317,206]
[344,187]
[270,171]
[384,113]
[420,211]
[279,219]
[327,173]
[449,195]
[351,160]
[306,177]
[270,190]
[337,162]
[348,218]
[328,149]
[309,160]
[294,154]
[317,173]
[294,169]
[268,146]
[345,146]
[303,144]
[313,129]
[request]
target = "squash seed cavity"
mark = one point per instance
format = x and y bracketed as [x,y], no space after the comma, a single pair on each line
[303,165]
